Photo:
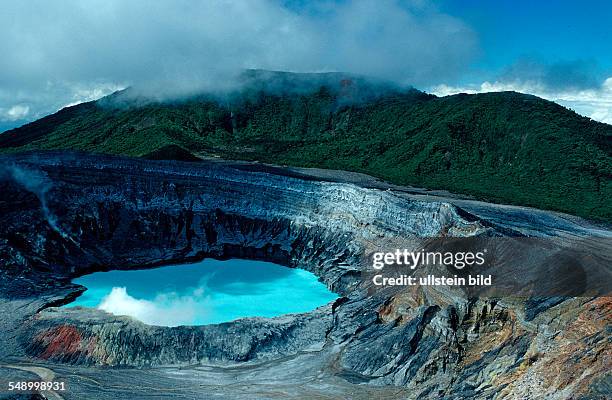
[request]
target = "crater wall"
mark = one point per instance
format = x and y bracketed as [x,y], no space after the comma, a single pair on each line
[64,215]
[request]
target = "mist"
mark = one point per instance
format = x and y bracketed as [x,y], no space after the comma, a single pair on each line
[69,51]
[35,182]
[167,309]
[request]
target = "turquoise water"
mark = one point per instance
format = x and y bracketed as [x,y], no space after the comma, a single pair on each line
[207,292]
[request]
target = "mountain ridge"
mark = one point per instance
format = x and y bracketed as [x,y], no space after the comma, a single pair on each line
[503,147]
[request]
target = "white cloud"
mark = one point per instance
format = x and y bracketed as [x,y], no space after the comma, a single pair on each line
[50,97]
[14,113]
[595,103]
[59,49]
[601,114]
[81,94]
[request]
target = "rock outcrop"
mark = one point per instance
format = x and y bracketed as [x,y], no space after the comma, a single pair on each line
[65,215]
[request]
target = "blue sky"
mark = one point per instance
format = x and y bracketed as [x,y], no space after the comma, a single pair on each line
[551,31]
[560,50]
[61,53]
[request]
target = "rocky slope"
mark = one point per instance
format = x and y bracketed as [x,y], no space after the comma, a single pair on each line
[505,147]
[64,215]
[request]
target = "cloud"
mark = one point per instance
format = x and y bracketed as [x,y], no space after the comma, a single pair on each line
[15,112]
[37,101]
[70,51]
[560,76]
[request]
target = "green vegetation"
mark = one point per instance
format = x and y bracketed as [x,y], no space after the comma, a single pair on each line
[504,147]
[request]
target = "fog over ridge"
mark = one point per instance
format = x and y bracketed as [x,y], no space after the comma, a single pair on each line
[67,52]
[70,51]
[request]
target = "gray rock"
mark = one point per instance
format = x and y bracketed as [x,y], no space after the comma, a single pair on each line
[65,215]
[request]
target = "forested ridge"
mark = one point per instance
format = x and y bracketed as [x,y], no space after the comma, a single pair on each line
[504,147]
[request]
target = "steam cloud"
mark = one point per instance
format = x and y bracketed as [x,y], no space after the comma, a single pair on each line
[224,291]
[35,182]
[167,309]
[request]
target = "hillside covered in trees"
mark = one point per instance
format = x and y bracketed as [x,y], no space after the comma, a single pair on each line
[504,147]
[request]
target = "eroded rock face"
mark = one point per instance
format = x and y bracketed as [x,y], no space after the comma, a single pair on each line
[64,215]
